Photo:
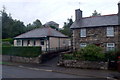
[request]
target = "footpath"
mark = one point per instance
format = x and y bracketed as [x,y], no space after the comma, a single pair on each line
[110,75]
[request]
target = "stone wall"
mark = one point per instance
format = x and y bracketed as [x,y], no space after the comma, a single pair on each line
[96,35]
[84,64]
[21,59]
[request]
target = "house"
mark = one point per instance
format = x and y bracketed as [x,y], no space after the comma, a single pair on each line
[52,24]
[45,37]
[103,31]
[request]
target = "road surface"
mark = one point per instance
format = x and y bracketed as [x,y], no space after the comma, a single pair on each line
[21,72]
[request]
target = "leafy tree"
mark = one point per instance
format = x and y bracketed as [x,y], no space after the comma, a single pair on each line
[36,24]
[66,28]
[10,27]
[95,13]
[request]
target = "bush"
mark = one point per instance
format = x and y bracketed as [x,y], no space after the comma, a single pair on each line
[111,55]
[92,53]
[7,42]
[69,57]
[21,51]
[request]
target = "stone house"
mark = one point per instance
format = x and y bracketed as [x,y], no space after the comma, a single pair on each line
[103,31]
[45,37]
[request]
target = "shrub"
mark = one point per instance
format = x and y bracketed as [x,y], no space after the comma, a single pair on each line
[21,51]
[7,42]
[92,53]
[111,55]
[69,57]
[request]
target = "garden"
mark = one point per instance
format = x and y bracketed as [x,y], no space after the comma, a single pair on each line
[90,56]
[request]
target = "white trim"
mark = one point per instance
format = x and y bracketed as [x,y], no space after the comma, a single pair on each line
[82,32]
[110,46]
[110,31]
[82,45]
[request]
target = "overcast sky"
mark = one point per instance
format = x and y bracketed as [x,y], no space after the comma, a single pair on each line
[56,10]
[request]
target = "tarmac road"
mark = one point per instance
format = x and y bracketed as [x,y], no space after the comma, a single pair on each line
[21,72]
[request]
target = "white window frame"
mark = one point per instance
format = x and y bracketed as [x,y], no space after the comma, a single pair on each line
[110,46]
[82,32]
[110,31]
[82,45]
[18,42]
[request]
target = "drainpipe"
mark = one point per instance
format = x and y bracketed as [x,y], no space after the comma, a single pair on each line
[49,44]
[59,44]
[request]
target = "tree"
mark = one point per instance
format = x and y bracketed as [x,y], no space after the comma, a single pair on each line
[36,24]
[10,27]
[95,13]
[66,28]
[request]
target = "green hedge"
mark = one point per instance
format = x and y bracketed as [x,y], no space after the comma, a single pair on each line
[21,51]
[7,42]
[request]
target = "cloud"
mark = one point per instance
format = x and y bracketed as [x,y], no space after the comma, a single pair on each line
[56,10]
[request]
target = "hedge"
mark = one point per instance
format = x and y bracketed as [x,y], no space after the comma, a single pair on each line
[21,51]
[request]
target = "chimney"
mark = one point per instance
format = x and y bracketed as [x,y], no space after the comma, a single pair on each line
[119,12]
[78,14]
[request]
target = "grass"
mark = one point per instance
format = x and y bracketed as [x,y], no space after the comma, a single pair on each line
[4,63]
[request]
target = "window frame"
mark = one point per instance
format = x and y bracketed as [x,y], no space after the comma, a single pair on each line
[42,42]
[83,32]
[85,44]
[18,42]
[108,46]
[110,31]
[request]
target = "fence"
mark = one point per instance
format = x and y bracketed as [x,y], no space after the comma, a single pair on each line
[52,52]
[57,49]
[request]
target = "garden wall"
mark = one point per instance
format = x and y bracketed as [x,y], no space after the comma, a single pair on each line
[21,59]
[84,64]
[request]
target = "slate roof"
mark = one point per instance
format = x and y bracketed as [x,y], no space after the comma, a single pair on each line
[96,21]
[51,22]
[41,32]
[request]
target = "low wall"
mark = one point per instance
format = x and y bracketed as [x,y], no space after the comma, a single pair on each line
[84,64]
[21,59]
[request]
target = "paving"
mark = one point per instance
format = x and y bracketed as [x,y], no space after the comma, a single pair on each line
[52,66]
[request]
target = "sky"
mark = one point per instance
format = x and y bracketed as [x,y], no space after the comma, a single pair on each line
[59,11]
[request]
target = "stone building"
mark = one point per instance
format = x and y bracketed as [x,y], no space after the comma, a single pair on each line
[101,30]
[45,37]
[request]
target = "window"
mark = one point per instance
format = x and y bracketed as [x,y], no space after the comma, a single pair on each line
[83,33]
[110,31]
[28,42]
[82,45]
[110,46]
[18,42]
[34,42]
[42,42]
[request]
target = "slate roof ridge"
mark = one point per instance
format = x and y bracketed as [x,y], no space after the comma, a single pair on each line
[55,31]
[28,32]
[99,16]
[51,22]
[44,31]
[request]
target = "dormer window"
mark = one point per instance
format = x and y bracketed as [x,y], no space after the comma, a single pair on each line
[110,31]
[82,32]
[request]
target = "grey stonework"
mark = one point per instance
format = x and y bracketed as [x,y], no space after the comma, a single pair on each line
[96,35]
[21,59]
[84,64]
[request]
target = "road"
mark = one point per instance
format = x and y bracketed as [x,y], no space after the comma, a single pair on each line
[21,72]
